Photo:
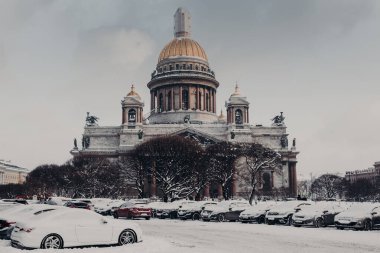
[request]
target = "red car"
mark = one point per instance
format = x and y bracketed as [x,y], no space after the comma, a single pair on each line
[132,210]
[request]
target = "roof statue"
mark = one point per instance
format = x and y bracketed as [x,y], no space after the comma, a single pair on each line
[278,120]
[91,120]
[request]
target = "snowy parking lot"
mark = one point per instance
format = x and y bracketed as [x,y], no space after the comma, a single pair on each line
[169,236]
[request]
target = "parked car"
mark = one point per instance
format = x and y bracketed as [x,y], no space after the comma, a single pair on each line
[132,210]
[9,217]
[283,213]
[87,201]
[77,204]
[7,205]
[193,210]
[170,210]
[256,213]
[60,201]
[157,205]
[225,210]
[107,209]
[19,201]
[71,227]
[317,215]
[364,216]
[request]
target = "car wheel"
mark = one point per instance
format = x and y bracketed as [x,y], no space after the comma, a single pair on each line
[52,241]
[115,215]
[173,216]
[290,220]
[221,217]
[196,216]
[340,228]
[318,223]
[261,220]
[367,225]
[147,218]
[269,222]
[128,236]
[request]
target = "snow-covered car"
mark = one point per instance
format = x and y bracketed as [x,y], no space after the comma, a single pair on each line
[157,205]
[193,210]
[77,204]
[225,210]
[109,208]
[60,201]
[72,227]
[7,205]
[9,217]
[132,210]
[283,213]
[87,201]
[170,210]
[256,212]
[320,214]
[364,216]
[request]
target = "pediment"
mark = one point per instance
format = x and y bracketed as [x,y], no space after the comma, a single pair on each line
[194,134]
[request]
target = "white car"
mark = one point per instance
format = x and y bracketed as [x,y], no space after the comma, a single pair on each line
[71,227]
[283,213]
[9,217]
[60,201]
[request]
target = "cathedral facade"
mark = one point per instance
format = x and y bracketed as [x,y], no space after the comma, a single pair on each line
[183,93]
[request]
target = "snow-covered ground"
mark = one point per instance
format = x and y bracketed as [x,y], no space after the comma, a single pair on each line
[169,236]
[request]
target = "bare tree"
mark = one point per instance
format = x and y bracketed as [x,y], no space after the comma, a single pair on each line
[221,158]
[172,160]
[327,186]
[134,171]
[257,160]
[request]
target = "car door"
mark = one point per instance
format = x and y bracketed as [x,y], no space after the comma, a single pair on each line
[92,229]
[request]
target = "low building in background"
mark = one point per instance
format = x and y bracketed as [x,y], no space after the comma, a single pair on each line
[12,174]
[368,174]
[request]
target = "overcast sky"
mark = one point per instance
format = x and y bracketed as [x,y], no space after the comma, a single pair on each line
[317,61]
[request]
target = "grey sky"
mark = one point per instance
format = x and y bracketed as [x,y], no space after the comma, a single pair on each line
[317,61]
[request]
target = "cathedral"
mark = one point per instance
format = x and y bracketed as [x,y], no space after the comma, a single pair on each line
[183,93]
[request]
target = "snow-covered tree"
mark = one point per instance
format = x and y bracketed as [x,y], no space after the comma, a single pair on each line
[327,186]
[172,161]
[133,170]
[258,159]
[221,158]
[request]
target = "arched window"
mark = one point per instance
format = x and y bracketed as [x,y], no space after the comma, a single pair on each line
[132,116]
[171,67]
[169,101]
[238,117]
[196,67]
[185,99]
[160,102]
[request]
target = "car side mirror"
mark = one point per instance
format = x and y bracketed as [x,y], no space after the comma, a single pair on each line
[325,211]
[230,209]
[374,213]
[104,221]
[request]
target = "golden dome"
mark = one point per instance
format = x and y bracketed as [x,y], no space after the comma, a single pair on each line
[182,47]
[133,93]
